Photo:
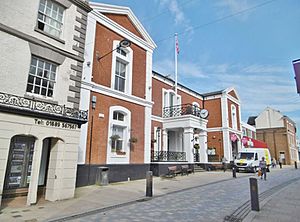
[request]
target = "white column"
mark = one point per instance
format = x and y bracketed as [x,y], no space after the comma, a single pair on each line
[203,146]
[35,171]
[188,136]
[147,137]
[227,145]
[164,146]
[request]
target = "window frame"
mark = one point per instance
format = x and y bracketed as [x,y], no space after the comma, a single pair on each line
[51,18]
[42,78]
[126,125]
[127,60]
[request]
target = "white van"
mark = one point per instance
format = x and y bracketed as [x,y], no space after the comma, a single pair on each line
[248,158]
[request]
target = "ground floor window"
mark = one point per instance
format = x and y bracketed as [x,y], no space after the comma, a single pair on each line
[19,165]
[117,138]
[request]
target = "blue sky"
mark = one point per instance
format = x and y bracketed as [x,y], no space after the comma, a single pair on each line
[247,44]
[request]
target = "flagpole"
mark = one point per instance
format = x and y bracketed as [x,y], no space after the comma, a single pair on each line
[176,52]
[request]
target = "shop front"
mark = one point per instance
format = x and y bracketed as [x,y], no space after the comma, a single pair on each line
[38,153]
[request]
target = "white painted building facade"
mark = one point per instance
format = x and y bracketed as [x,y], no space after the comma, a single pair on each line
[41,51]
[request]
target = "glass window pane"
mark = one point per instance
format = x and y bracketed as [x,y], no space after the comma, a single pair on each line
[45,83]
[53,68]
[38,81]
[122,85]
[41,64]
[30,79]
[47,65]
[46,74]
[37,90]
[116,83]
[115,115]
[29,88]
[52,76]
[32,69]
[51,85]
[44,92]
[33,61]
[50,93]
[40,72]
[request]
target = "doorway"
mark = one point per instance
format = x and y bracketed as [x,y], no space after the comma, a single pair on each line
[19,165]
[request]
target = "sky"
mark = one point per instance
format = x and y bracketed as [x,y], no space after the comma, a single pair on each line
[245,44]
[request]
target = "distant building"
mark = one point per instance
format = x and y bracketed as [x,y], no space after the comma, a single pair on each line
[279,132]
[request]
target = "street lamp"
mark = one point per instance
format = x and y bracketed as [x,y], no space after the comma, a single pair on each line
[123,44]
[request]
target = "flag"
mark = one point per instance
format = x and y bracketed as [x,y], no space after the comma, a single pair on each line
[296,64]
[177,45]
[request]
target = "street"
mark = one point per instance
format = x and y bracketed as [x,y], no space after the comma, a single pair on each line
[211,202]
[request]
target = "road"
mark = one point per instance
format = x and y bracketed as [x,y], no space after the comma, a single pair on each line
[204,203]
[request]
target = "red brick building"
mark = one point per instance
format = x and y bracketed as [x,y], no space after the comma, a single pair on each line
[117,92]
[137,120]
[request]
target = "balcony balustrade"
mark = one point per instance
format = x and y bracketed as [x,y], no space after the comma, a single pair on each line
[181,110]
[168,156]
[12,103]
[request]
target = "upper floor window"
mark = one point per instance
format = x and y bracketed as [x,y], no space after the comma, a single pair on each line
[41,78]
[50,17]
[122,69]
[120,76]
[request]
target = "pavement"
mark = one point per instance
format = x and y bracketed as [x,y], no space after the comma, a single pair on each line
[94,198]
[283,206]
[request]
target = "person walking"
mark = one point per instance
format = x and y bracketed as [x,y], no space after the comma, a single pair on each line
[274,163]
[280,162]
[263,168]
[224,163]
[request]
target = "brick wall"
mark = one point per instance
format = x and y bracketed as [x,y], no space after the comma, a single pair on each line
[100,129]
[102,69]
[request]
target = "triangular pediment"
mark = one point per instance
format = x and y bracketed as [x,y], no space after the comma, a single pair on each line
[123,18]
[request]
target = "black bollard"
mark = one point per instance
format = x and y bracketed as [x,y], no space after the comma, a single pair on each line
[149,183]
[254,194]
[234,172]
[296,167]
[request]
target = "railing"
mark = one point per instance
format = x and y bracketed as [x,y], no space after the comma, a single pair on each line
[181,110]
[25,104]
[167,156]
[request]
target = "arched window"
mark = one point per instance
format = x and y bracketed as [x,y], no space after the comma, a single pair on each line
[233,117]
[119,130]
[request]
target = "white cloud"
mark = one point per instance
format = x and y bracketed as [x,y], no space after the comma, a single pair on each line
[264,69]
[185,69]
[234,6]
[179,17]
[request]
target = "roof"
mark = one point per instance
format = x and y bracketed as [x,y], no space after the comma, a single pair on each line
[251,120]
[213,93]
[171,80]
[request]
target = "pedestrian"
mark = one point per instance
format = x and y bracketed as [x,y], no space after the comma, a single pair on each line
[280,162]
[263,168]
[224,163]
[274,163]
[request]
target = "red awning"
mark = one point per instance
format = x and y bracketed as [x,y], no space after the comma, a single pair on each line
[249,142]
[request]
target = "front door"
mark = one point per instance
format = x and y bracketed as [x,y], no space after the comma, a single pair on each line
[18,172]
